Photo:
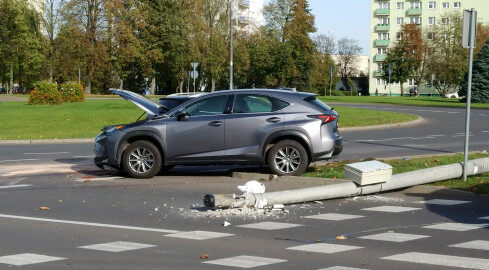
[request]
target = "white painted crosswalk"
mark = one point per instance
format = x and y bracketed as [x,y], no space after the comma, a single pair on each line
[27,259]
[245,261]
[441,260]
[117,246]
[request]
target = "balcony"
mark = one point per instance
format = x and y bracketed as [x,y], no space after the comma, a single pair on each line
[382,42]
[379,58]
[379,73]
[382,27]
[382,12]
[244,3]
[414,12]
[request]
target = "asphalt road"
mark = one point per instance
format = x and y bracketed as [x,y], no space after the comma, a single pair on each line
[94,219]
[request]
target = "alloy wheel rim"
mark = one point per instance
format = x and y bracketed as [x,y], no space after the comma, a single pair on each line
[141,160]
[288,159]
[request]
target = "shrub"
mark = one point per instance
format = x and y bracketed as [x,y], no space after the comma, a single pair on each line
[45,93]
[72,92]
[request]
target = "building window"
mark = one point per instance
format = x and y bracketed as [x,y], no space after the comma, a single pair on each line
[400,5]
[431,20]
[432,5]
[384,20]
[445,5]
[384,5]
[400,21]
[379,67]
[457,4]
[444,20]
[416,20]
[411,82]
[415,5]
[380,81]
[383,36]
[431,35]
[399,36]
[382,51]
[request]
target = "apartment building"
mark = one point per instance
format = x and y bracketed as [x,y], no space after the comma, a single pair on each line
[387,18]
[248,14]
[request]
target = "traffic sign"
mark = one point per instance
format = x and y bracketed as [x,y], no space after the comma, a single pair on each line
[194,74]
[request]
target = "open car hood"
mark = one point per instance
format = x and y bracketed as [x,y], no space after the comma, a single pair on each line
[147,105]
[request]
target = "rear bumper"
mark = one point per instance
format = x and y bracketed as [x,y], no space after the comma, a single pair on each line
[337,149]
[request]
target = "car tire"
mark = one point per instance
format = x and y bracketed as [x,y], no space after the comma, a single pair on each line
[288,157]
[142,159]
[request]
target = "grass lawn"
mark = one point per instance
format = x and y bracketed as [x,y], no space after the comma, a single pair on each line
[478,183]
[20,121]
[414,101]
[69,120]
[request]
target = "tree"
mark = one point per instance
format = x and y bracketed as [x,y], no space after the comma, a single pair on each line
[21,46]
[406,56]
[446,58]
[347,59]
[325,44]
[480,78]
[90,16]
[52,22]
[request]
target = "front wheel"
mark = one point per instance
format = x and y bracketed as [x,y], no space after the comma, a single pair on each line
[288,157]
[141,159]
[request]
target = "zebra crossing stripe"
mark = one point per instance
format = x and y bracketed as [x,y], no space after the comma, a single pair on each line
[27,258]
[441,260]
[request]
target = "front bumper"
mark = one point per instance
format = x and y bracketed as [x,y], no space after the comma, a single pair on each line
[102,152]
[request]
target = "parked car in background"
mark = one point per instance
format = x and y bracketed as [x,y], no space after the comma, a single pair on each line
[285,130]
[451,95]
[173,100]
[3,90]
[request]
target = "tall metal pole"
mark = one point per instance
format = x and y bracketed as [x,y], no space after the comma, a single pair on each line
[471,43]
[231,44]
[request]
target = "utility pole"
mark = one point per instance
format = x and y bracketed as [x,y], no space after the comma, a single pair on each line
[468,41]
[231,44]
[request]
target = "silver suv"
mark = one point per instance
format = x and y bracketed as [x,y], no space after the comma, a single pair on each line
[284,129]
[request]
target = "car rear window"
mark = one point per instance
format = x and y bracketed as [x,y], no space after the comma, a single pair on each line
[317,102]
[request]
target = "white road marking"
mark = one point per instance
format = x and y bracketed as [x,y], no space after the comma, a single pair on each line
[14,186]
[334,216]
[459,227]
[89,224]
[47,153]
[269,225]
[198,235]
[324,248]
[476,244]
[441,260]
[394,237]
[341,268]
[117,246]
[109,178]
[444,202]
[17,160]
[245,261]
[27,258]
[391,209]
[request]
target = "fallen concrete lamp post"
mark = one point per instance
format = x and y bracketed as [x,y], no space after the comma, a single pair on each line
[347,189]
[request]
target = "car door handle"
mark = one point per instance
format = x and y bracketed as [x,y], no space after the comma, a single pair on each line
[274,119]
[216,123]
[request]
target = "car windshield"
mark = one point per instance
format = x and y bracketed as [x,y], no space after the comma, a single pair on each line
[170,103]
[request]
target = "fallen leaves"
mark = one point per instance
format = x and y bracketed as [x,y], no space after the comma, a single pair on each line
[204,257]
[43,208]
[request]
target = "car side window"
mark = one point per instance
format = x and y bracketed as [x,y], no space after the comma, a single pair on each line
[209,106]
[248,103]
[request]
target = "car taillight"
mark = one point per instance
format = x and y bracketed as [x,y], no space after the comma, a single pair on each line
[326,118]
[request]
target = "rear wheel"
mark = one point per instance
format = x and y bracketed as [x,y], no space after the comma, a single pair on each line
[141,159]
[288,157]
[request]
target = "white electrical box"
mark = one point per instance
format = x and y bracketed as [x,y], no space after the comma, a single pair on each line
[368,172]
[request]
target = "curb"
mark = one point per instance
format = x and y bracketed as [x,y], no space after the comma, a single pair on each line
[47,141]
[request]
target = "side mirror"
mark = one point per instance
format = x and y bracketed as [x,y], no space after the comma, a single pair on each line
[181,116]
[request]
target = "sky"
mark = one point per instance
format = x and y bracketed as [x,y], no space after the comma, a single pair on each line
[343,18]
